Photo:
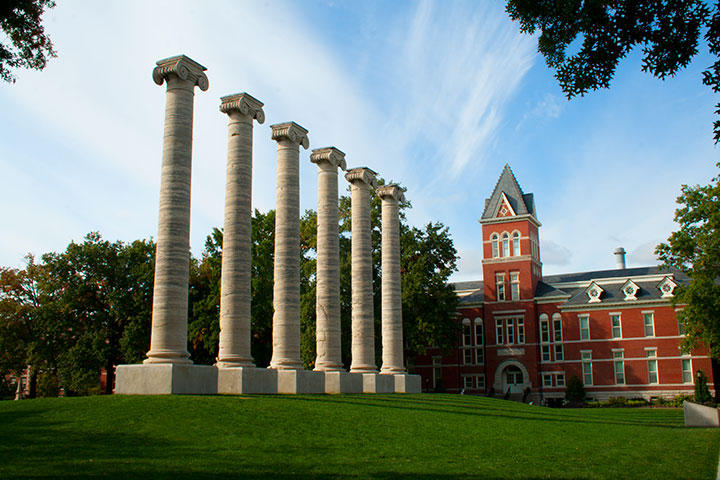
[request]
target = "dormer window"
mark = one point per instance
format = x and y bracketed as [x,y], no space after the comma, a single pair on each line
[495,246]
[516,244]
[630,290]
[506,244]
[594,292]
[666,287]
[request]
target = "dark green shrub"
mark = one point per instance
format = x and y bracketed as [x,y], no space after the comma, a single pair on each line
[575,391]
[702,392]
[47,385]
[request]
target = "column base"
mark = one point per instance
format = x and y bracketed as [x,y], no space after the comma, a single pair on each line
[405,383]
[165,379]
[343,382]
[300,381]
[242,380]
[375,383]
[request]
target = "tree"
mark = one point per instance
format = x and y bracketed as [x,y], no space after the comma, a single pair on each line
[98,309]
[575,391]
[585,40]
[29,46]
[702,391]
[20,324]
[695,250]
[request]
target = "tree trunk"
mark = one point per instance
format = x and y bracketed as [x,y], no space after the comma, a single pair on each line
[33,382]
[109,378]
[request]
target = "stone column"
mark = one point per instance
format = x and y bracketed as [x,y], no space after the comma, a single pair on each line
[328,260]
[392,325]
[235,288]
[286,291]
[363,322]
[168,341]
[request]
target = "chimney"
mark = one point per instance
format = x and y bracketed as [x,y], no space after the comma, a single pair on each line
[620,258]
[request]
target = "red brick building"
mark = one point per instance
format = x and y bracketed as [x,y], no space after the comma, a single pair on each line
[614,329]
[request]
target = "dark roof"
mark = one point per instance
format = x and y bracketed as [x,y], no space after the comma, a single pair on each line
[523,204]
[613,294]
[545,290]
[548,286]
[476,294]
[473,285]
[615,273]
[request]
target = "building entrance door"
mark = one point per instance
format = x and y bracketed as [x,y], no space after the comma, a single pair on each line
[512,378]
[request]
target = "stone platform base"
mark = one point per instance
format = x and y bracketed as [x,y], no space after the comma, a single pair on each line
[240,380]
[166,378]
[163,379]
[697,415]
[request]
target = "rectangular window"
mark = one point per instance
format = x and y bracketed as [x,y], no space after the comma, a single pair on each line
[652,366]
[437,372]
[558,353]
[521,330]
[547,380]
[468,382]
[510,331]
[557,329]
[545,353]
[479,342]
[560,380]
[616,327]
[686,370]
[649,323]
[681,327]
[500,286]
[467,336]
[587,368]
[619,366]
[467,342]
[544,331]
[499,332]
[585,328]
[515,285]
[481,381]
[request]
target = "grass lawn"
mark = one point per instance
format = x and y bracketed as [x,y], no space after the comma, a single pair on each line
[345,436]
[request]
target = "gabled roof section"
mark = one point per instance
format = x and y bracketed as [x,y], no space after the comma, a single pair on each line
[507,187]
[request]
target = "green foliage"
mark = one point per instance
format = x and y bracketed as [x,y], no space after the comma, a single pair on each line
[695,250]
[29,46]
[575,391]
[585,40]
[77,312]
[702,392]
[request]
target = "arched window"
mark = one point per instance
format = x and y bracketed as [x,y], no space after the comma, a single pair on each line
[516,244]
[506,244]
[495,248]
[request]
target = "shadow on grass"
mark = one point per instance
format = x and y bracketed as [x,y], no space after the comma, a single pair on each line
[494,408]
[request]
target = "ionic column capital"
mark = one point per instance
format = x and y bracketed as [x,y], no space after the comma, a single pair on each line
[330,155]
[290,132]
[391,192]
[244,104]
[183,68]
[362,175]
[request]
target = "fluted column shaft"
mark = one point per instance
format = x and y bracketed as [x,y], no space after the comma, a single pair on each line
[392,333]
[327,304]
[235,287]
[168,341]
[286,290]
[363,322]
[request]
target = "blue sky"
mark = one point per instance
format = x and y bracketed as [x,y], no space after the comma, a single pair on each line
[435,95]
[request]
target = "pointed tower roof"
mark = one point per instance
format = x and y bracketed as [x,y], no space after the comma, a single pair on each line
[507,190]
